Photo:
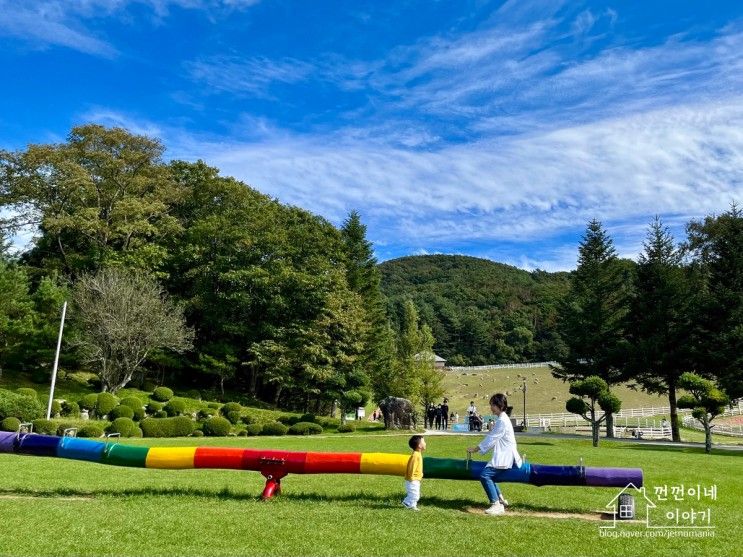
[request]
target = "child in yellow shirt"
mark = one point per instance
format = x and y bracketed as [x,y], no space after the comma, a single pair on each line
[414,472]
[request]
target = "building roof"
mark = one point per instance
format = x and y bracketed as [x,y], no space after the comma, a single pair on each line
[428,356]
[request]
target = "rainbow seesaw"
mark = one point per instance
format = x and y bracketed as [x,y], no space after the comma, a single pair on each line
[275,465]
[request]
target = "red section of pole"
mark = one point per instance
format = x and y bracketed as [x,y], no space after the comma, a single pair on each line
[272,488]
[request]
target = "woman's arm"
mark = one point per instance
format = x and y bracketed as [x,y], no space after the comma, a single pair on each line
[490,439]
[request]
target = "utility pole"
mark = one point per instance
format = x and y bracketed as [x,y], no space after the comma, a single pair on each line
[56,362]
[524,389]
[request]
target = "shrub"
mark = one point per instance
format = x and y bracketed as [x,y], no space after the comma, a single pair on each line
[105,403]
[26,391]
[233,417]
[149,385]
[254,429]
[56,408]
[132,402]
[328,422]
[179,426]
[348,427]
[70,409]
[45,427]
[153,407]
[88,401]
[162,394]
[305,428]
[230,407]
[193,393]
[40,376]
[161,414]
[64,425]
[206,413]
[25,408]
[287,420]
[121,411]
[248,419]
[217,427]
[214,405]
[10,424]
[308,418]
[90,430]
[197,433]
[95,382]
[175,407]
[242,433]
[274,428]
[137,432]
[139,414]
[123,426]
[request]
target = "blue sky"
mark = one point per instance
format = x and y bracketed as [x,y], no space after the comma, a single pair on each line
[482,128]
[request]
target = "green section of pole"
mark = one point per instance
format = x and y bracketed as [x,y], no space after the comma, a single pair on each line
[446,468]
[125,455]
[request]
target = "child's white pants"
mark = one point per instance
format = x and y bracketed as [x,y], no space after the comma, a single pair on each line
[413,490]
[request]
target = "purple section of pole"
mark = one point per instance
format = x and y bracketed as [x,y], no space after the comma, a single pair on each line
[613,477]
[7,438]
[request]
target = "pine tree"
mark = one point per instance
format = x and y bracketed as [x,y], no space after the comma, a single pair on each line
[593,317]
[660,330]
[363,278]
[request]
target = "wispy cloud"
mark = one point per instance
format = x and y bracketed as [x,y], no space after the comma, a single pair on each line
[66,23]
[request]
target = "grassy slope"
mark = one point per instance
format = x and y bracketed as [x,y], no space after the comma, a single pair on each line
[60,507]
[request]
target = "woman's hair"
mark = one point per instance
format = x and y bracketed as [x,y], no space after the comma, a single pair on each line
[499,400]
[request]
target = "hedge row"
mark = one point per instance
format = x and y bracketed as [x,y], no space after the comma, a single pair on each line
[179,426]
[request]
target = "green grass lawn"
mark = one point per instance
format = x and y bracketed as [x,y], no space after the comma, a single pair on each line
[61,507]
[544,393]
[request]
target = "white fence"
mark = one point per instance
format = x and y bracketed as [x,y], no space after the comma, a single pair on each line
[722,429]
[501,366]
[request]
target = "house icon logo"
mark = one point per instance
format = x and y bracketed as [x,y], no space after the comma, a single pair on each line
[624,506]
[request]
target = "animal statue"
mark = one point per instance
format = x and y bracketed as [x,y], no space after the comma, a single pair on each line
[398,413]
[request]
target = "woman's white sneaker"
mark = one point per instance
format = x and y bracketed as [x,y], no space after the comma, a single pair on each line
[495,509]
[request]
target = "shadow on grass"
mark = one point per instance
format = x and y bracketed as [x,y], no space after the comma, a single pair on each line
[684,450]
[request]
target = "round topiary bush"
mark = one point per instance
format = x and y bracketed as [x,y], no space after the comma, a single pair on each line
[214,405]
[305,428]
[308,418]
[10,424]
[26,391]
[348,427]
[288,420]
[162,394]
[137,432]
[64,425]
[45,427]
[132,402]
[179,426]
[88,401]
[254,429]
[161,414]
[105,403]
[328,423]
[197,433]
[274,428]
[70,409]
[123,426]
[175,407]
[242,433]
[248,419]
[121,411]
[193,393]
[56,408]
[153,407]
[217,427]
[206,413]
[230,407]
[25,408]
[233,417]
[90,430]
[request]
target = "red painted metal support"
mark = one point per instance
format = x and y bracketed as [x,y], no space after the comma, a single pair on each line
[273,469]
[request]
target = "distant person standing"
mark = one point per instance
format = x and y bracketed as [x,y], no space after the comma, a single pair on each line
[471,412]
[437,417]
[431,413]
[445,414]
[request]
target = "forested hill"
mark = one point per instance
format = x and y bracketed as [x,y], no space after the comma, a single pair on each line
[480,311]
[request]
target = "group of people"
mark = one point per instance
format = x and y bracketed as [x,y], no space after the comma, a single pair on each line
[500,439]
[437,416]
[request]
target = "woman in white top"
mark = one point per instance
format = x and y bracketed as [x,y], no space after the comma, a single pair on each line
[502,441]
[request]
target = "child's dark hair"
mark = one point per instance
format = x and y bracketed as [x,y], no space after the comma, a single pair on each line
[499,400]
[414,441]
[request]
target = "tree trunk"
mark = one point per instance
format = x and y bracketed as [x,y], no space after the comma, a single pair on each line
[609,425]
[277,395]
[221,385]
[707,436]
[675,433]
[595,433]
